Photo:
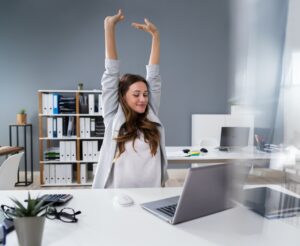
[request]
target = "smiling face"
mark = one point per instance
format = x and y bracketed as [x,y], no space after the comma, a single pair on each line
[137,97]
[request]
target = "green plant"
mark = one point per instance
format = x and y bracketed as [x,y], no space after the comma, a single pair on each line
[22,111]
[34,208]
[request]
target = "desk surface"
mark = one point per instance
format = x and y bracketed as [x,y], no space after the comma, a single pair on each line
[103,223]
[175,154]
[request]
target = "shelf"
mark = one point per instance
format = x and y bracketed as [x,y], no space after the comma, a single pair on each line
[72,184]
[72,138]
[62,115]
[67,162]
[78,168]
[70,91]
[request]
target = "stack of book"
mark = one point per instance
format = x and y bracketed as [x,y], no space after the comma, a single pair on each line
[67,105]
[52,154]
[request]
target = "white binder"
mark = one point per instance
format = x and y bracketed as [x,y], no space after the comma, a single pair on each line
[45,103]
[62,150]
[58,174]
[50,103]
[46,174]
[87,126]
[73,150]
[68,151]
[69,178]
[59,127]
[82,127]
[100,104]
[52,174]
[90,150]
[83,173]
[50,127]
[91,103]
[84,150]
[95,150]
[63,177]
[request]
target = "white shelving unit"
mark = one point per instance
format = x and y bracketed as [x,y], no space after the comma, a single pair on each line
[46,142]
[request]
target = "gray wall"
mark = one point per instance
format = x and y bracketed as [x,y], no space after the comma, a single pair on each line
[54,44]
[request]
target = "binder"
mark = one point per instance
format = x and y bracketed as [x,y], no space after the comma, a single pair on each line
[68,151]
[90,150]
[94,168]
[56,98]
[73,150]
[63,176]
[45,103]
[95,150]
[82,128]
[50,127]
[84,150]
[59,127]
[83,173]
[92,127]
[52,174]
[91,103]
[58,174]
[46,174]
[83,104]
[87,125]
[62,150]
[100,104]
[54,121]
[69,176]
[50,103]
[71,127]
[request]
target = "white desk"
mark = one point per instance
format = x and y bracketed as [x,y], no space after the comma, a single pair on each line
[102,223]
[176,155]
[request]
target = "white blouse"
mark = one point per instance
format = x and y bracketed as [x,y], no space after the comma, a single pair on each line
[136,167]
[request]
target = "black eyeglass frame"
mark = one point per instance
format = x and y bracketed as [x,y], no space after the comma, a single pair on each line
[60,215]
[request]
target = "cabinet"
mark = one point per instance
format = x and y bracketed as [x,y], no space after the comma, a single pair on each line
[71,132]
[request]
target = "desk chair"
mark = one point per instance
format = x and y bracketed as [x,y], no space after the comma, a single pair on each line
[9,171]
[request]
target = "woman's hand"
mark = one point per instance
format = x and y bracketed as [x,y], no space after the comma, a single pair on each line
[111,21]
[147,27]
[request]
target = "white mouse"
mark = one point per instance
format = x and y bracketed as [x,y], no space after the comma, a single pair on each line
[123,200]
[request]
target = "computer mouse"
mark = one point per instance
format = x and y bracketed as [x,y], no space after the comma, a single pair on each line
[123,200]
[186,151]
[203,150]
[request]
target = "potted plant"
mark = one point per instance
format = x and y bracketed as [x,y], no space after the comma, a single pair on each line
[22,117]
[80,86]
[29,221]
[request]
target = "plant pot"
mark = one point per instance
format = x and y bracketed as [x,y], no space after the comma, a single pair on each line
[30,230]
[21,119]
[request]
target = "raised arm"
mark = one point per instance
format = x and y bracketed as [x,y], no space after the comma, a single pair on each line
[155,46]
[153,76]
[109,29]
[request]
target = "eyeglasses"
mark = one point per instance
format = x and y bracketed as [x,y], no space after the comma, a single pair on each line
[67,215]
[2,235]
[7,211]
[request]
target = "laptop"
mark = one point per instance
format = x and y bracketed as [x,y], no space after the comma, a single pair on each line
[234,137]
[205,192]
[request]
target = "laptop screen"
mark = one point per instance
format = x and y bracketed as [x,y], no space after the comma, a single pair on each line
[234,136]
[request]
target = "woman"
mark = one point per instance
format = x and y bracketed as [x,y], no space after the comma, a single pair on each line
[133,150]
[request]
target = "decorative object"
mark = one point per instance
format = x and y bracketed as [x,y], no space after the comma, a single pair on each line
[22,117]
[29,221]
[80,86]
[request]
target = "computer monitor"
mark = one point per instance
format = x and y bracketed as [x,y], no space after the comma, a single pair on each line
[234,137]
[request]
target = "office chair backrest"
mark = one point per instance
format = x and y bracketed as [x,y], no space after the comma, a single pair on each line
[9,171]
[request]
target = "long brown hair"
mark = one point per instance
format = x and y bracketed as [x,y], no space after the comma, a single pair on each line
[135,122]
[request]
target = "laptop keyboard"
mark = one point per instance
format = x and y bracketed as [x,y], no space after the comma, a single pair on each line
[168,210]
